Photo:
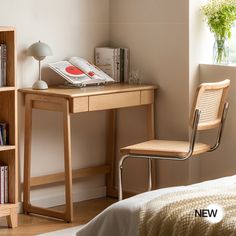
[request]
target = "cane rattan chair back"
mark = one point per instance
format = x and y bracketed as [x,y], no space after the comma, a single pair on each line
[210,99]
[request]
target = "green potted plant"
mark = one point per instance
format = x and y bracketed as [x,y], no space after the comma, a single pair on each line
[220,16]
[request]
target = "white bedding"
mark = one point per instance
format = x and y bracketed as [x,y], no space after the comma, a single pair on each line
[121,218]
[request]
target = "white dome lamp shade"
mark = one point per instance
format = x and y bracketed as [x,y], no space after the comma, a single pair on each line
[39,51]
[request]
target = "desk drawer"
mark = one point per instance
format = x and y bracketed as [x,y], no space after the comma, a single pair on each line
[79,104]
[147,97]
[116,100]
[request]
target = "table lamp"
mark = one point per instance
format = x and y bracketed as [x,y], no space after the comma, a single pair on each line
[39,51]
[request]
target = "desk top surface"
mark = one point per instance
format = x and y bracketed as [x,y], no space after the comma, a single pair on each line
[71,92]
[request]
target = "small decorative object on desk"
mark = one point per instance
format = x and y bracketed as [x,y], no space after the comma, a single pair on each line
[220,16]
[135,76]
[39,51]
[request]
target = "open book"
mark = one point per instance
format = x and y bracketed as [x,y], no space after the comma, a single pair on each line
[79,72]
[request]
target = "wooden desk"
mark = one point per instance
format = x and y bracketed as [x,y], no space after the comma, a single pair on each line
[76,100]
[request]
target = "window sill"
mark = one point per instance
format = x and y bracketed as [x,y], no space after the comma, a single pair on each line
[213,72]
[218,65]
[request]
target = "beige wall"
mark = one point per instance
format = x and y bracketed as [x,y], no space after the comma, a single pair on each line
[157,34]
[71,28]
[200,51]
[222,161]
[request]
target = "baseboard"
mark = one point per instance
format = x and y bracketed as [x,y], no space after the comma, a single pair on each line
[59,199]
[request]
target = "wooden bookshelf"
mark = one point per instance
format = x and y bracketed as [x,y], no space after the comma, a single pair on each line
[8,114]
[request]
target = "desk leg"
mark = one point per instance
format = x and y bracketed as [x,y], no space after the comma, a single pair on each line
[27,153]
[67,160]
[151,135]
[111,153]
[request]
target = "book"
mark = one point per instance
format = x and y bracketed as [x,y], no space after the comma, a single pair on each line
[115,61]
[4,189]
[4,134]
[3,61]
[126,65]
[122,64]
[78,71]
[6,198]
[2,179]
[1,138]
[104,59]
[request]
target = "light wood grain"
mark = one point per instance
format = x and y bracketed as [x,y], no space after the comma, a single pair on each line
[110,97]
[47,106]
[67,161]
[7,88]
[222,86]
[64,106]
[60,177]
[47,212]
[27,152]
[8,114]
[80,104]
[7,148]
[111,101]
[7,28]
[10,211]
[147,97]
[61,91]
[8,37]
[30,225]
[165,148]
[12,218]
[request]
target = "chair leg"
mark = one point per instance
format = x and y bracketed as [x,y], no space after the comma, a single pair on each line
[149,174]
[120,188]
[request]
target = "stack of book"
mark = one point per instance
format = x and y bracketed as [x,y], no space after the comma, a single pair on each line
[3,61]
[3,184]
[114,62]
[3,134]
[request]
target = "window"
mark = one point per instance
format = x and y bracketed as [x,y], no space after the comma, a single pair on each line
[232,45]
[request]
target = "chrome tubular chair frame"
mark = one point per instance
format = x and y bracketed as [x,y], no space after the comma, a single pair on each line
[188,155]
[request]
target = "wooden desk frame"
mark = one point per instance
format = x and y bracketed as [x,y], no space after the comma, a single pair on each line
[120,96]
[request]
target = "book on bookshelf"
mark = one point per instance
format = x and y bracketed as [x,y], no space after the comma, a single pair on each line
[3,61]
[4,184]
[79,72]
[4,134]
[114,61]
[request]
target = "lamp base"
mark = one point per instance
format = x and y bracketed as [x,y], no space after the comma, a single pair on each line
[40,85]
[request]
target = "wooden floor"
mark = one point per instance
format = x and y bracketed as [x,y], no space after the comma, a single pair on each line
[32,224]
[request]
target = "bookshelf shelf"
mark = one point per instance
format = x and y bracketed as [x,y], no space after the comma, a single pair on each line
[7,205]
[7,147]
[8,115]
[7,88]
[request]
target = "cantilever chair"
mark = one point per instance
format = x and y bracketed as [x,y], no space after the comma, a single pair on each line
[209,111]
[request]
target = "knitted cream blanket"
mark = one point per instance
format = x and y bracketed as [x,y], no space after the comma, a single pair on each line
[173,214]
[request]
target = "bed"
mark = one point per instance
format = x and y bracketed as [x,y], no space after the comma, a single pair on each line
[145,213]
